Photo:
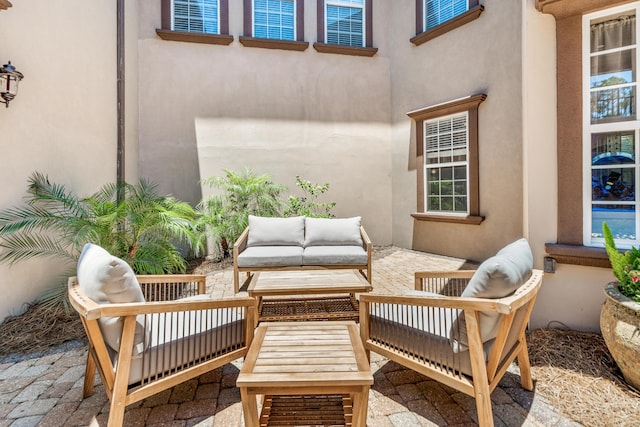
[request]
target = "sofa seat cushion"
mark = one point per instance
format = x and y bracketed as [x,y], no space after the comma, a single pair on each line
[270,256]
[332,232]
[107,279]
[334,255]
[266,231]
[179,339]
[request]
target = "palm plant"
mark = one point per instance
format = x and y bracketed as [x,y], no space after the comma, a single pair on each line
[145,229]
[226,215]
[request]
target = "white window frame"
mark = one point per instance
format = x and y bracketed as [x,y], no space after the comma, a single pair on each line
[348,4]
[295,30]
[451,164]
[424,14]
[173,17]
[589,239]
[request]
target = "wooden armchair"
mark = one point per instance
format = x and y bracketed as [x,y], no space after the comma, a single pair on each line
[466,343]
[165,340]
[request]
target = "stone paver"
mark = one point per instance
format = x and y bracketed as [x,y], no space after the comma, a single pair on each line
[46,389]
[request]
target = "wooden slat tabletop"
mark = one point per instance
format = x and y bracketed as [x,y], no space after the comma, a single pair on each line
[306,354]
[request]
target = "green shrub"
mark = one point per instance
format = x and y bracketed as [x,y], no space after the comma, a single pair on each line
[308,204]
[145,229]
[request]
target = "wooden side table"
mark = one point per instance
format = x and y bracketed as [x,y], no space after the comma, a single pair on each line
[306,359]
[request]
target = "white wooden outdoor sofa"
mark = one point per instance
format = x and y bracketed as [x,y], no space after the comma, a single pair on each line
[150,333]
[301,243]
[461,328]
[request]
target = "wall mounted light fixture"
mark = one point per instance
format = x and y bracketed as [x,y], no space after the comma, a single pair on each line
[9,79]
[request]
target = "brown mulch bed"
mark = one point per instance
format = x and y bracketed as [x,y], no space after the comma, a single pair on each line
[572,370]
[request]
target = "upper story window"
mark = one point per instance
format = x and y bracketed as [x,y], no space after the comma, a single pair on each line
[274,24]
[436,17]
[199,16]
[345,22]
[437,12]
[448,175]
[611,126]
[198,21]
[344,26]
[274,19]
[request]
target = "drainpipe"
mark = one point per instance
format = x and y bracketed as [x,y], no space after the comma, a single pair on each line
[120,178]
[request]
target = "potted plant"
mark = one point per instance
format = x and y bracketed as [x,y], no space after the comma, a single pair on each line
[620,315]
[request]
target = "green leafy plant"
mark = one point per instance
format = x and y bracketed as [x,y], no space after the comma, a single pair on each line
[146,229]
[308,204]
[625,266]
[226,215]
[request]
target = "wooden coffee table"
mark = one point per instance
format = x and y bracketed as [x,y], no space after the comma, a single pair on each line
[307,294]
[293,361]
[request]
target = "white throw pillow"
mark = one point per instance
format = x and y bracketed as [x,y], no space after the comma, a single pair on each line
[108,279]
[267,231]
[332,232]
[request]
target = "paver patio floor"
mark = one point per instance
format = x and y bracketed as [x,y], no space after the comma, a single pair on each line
[47,390]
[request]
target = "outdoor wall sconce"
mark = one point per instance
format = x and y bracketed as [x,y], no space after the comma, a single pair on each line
[9,79]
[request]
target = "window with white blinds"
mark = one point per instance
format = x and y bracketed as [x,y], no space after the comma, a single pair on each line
[345,23]
[438,11]
[274,19]
[196,16]
[446,164]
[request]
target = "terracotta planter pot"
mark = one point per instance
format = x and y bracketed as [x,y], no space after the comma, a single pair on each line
[620,326]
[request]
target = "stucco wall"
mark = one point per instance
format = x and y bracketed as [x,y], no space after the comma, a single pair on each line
[481,56]
[63,121]
[324,117]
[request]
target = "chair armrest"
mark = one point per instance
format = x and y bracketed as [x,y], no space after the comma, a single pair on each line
[366,241]
[474,304]
[129,309]
[240,244]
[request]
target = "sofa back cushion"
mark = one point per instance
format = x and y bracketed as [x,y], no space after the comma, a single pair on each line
[497,277]
[107,279]
[332,232]
[265,231]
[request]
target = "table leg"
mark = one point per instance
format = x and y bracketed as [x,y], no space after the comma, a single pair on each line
[360,404]
[249,408]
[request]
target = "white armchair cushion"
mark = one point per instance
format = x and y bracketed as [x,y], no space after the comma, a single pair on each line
[332,232]
[334,255]
[497,277]
[108,279]
[265,231]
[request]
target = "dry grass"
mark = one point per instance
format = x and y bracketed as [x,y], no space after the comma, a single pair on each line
[575,372]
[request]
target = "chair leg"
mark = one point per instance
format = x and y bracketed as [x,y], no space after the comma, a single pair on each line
[525,365]
[483,405]
[89,375]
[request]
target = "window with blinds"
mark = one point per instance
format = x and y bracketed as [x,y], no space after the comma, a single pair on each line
[345,22]
[196,16]
[274,19]
[446,164]
[438,11]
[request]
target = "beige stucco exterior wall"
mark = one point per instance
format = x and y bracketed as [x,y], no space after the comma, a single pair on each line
[481,56]
[63,121]
[324,117]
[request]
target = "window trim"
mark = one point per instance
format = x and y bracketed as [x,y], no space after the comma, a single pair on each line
[366,50]
[469,104]
[422,36]
[166,33]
